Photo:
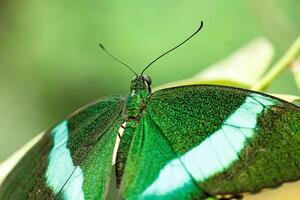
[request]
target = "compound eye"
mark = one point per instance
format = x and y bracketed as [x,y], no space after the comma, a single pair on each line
[133,78]
[147,79]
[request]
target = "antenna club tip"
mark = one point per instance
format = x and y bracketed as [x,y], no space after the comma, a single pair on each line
[201,24]
[101,45]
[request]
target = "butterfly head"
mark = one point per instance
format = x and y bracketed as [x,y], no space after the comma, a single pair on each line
[142,82]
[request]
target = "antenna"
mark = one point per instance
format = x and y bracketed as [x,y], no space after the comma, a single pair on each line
[116,59]
[200,27]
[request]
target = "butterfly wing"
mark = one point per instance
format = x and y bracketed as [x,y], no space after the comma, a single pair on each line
[73,159]
[227,140]
[150,151]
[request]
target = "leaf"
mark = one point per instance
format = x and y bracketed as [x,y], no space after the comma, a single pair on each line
[288,191]
[295,68]
[286,97]
[9,164]
[286,61]
[242,69]
[245,66]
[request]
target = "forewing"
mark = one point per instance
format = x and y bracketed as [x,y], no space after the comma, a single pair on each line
[72,160]
[229,140]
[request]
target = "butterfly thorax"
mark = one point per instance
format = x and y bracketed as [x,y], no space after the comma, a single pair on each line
[137,98]
[135,105]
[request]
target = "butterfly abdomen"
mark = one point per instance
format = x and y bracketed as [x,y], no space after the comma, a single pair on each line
[123,150]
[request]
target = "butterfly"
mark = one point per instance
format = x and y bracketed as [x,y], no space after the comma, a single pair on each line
[183,142]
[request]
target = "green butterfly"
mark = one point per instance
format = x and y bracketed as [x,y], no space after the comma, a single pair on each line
[186,142]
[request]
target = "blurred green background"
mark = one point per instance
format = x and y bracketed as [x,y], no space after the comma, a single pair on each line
[50,63]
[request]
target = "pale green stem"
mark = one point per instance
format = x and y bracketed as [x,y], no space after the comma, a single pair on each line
[290,56]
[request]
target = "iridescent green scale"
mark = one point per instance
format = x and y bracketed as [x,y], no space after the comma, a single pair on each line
[188,142]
